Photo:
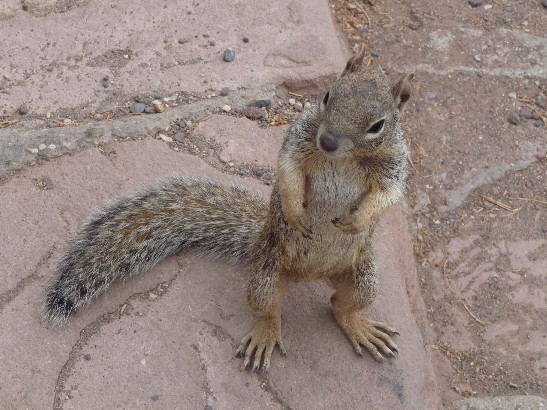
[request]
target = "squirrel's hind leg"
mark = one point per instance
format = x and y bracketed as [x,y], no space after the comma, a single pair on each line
[355,290]
[265,291]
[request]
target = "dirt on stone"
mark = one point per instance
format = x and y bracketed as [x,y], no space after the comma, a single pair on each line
[478,191]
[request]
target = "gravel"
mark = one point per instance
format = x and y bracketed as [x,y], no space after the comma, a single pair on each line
[414,25]
[229,55]
[23,109]
[513,119]
[107,81]
[179,137]
[475,3]
[261,103]
[526,113]
[137,108]
[431,95]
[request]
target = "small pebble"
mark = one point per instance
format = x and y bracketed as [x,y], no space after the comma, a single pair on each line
[540,101]
[292,101]
[223,157]
[107,82]
[259,173]
[544,3]
[375,54]
[487,6]
[449,94]
[179,137]
[513,119]
[152,296]
[414,25]
[307,104]
[512,95]
[155,397]
[208,407]
[226,108]
[150,109]
[254,113]
[298,106]
[147,100]
[245,39]
[33,150]
[23,109]
[224,92]
[431,95]
[477,58]
[475,3]
[158,105]
[229,55]
[165,138]
[261,103]
[42,147]
[87,357]
[137,108]
[526,113]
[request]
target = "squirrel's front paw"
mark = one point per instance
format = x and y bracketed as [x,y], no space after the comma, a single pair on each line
[300,223]
[351,224]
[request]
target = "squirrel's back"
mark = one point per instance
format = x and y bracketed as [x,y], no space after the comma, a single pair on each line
[135,233]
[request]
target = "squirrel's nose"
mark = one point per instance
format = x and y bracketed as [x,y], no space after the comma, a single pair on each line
[328,142]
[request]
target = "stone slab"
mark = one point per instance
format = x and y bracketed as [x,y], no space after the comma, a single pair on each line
[130,350]
[57,57]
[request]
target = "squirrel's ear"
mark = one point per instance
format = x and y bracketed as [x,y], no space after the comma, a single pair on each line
[355,62]
[401,91]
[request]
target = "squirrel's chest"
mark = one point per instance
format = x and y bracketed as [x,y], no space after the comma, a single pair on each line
[332,193]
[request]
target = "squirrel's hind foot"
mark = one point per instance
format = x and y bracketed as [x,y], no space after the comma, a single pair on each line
[256,347]
[374,336]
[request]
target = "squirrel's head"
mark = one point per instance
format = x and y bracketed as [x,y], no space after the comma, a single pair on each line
[361,109]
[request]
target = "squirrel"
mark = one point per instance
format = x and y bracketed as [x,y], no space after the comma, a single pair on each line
[342,164]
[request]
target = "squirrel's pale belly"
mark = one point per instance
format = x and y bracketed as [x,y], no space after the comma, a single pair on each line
[329,251]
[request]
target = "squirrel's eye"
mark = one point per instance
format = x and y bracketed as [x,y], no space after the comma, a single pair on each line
[326,98]
[376,127]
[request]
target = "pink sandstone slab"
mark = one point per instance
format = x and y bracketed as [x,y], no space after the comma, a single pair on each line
[58,60]
[166,339]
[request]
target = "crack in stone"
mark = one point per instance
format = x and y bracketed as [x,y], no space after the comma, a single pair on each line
[95,327]
[125,128]
[266,383]
[269,387]
[8,296]
[209,395]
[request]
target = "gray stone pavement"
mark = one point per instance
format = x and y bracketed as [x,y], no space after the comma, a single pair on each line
[166,339]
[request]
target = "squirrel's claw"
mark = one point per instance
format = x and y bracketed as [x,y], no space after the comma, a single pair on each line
[374,336]
[350,224]
[257,347]
[300,225]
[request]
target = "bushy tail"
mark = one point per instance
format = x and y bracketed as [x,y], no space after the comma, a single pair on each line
[135,233]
